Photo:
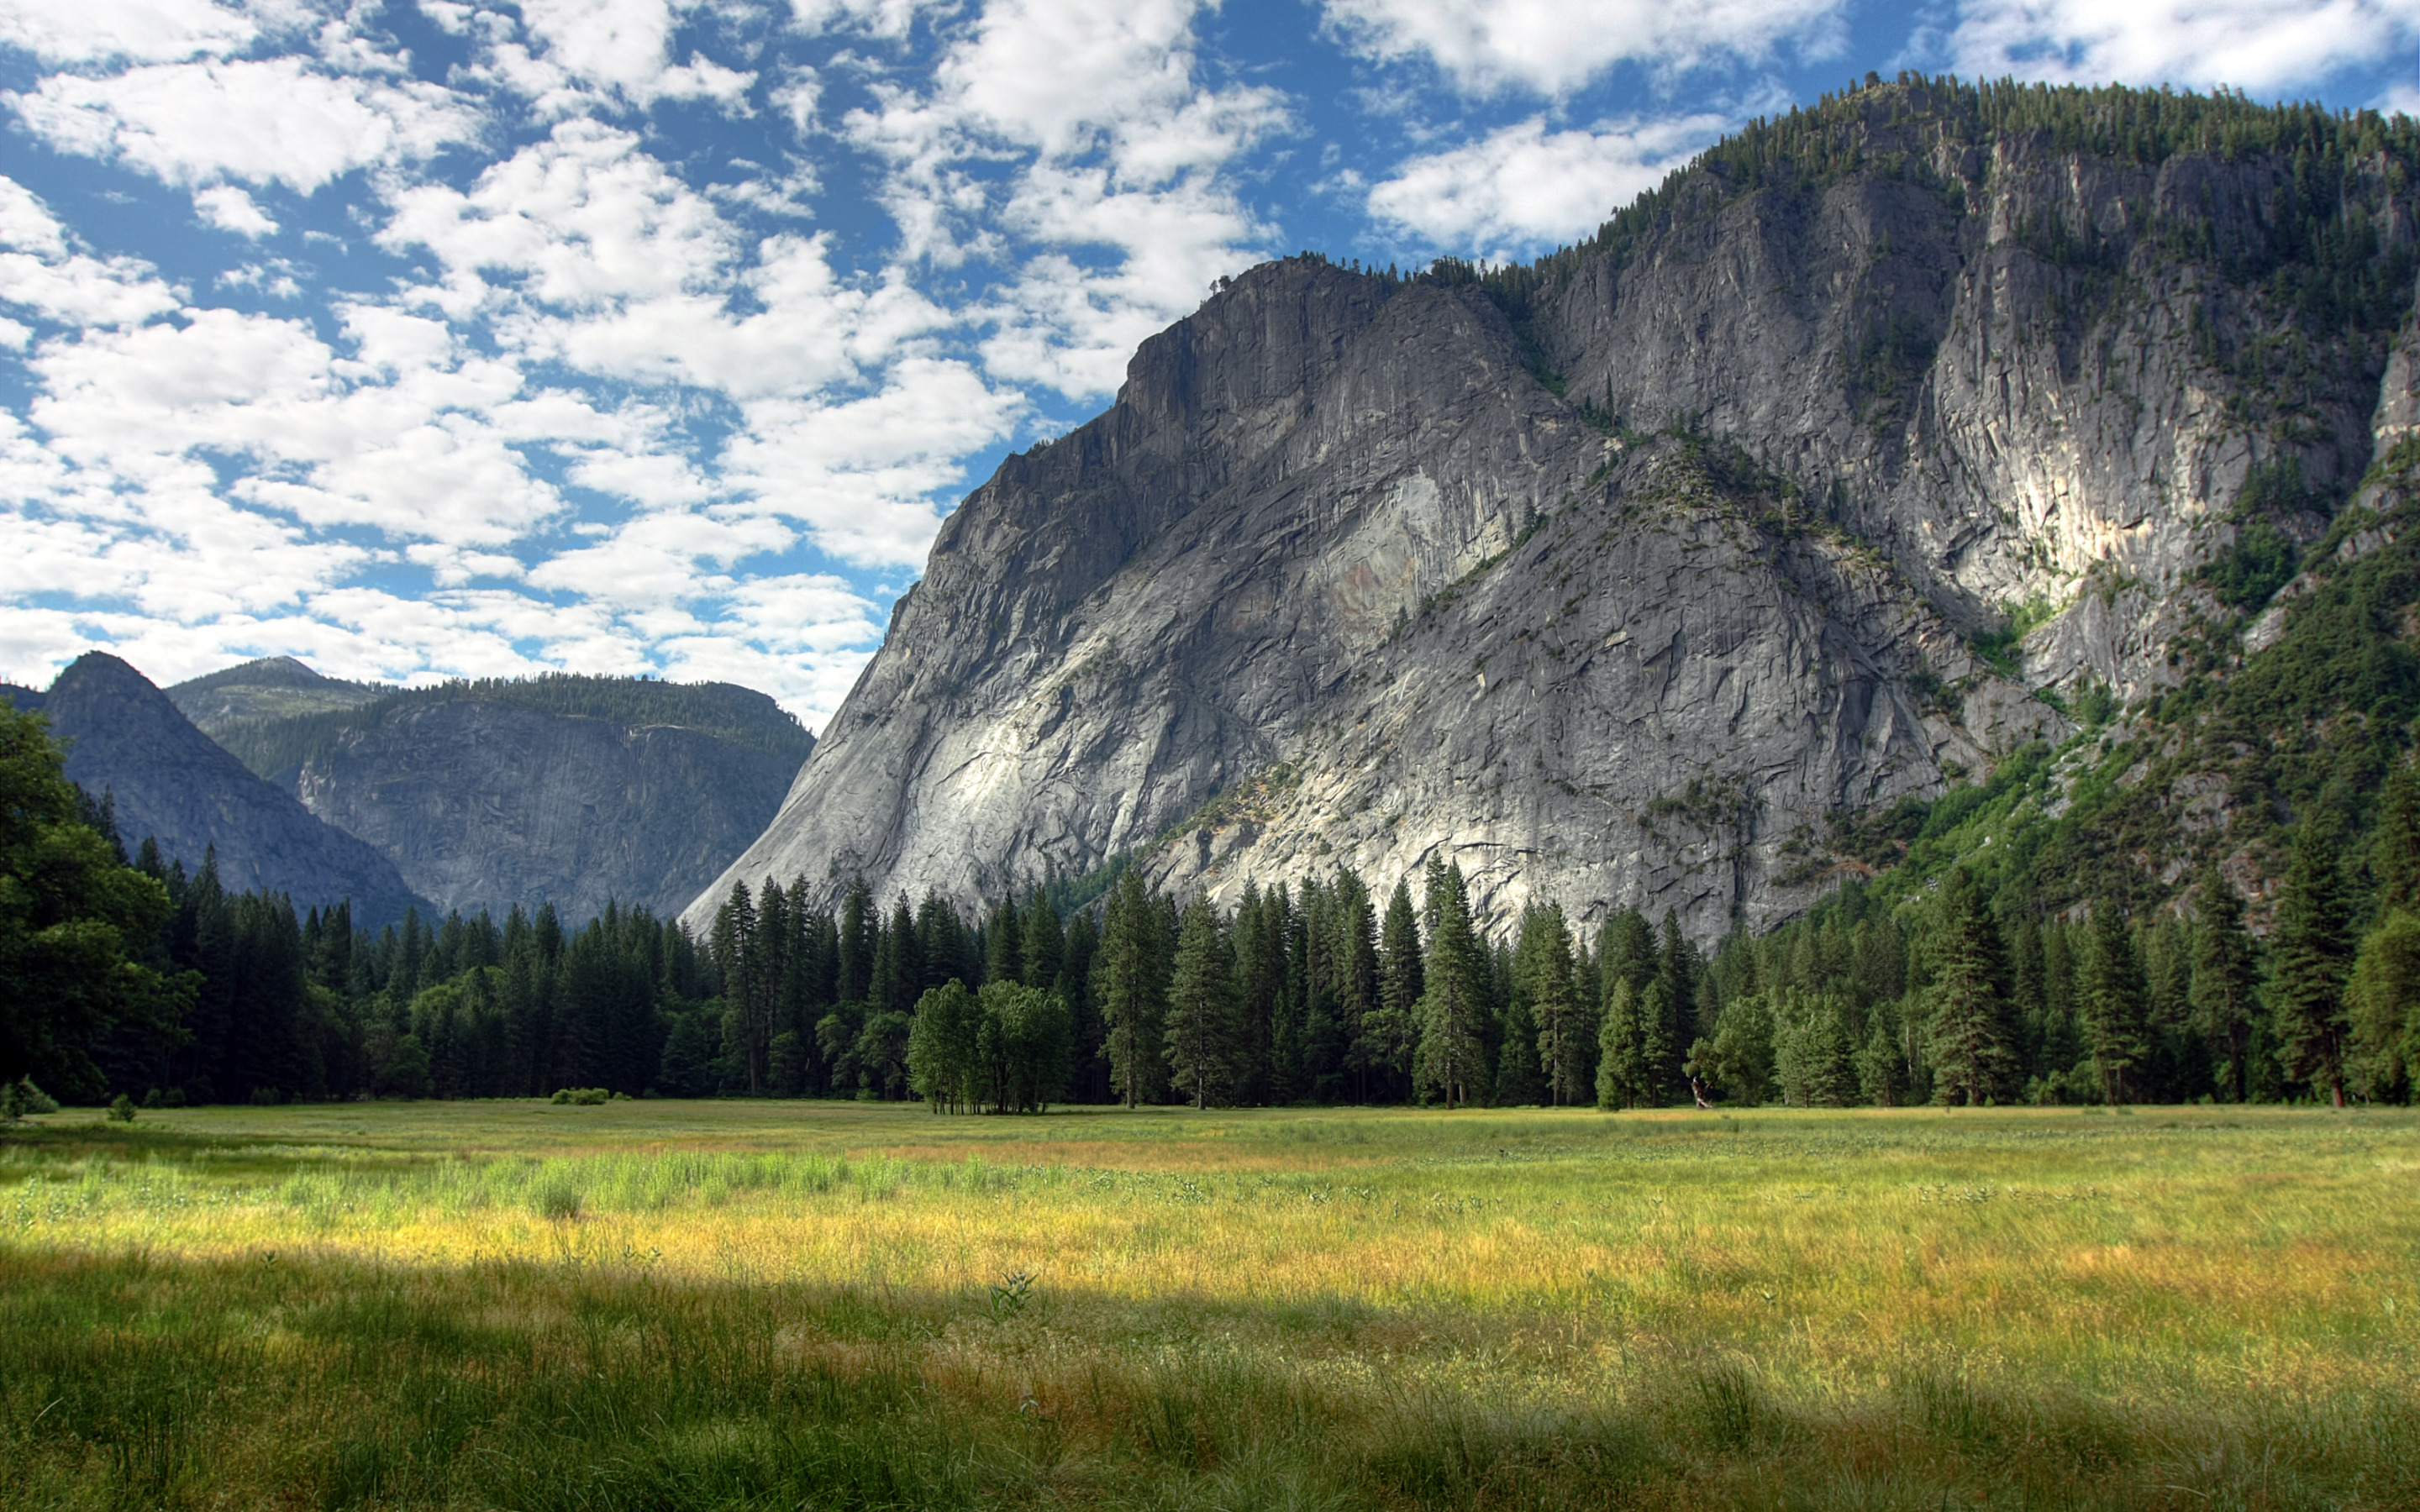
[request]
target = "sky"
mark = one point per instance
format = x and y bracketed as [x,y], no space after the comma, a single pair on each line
[433,338]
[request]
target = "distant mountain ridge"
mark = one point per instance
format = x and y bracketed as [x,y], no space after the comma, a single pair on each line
[272,688]
[493,794]
[172,783]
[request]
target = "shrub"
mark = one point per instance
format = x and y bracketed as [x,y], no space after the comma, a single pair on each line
[122,1111]
[586,1097]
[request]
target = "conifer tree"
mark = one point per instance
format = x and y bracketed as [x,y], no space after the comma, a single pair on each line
[1519,1081]
[1451,1055]
[1393,1032]
[1622,1067]
[2311,956]
[860,923]
[2397,862]
[1129,981]
[2384,996]
[1546,982]
[1813,1050]
[1353,966]
[1200,1023]
[1969,1042]
[1043,946]
[2111,992]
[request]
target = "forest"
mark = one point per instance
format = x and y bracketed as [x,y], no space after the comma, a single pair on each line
[128,977]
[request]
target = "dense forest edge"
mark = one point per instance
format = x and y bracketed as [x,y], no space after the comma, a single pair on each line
[2213,893]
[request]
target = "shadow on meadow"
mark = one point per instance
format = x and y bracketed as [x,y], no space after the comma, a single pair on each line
[294,1378]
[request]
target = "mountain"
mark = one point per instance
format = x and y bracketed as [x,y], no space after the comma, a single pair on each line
[1886,442]
[170,782]
[577,790]
[272,688]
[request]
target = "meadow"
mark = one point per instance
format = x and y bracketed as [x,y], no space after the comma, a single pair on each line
[782,1304]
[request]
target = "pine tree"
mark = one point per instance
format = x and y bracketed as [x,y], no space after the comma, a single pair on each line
[1451,1055]
[1393,1032]
[2397,845]
[860,922]
[2311,955]
[1519,1082]
[1043,946]
[1622,1074]
[2384,996]
[1813,1050]
[2112,991]
[1129,981]
[1546,975]
[1200,1023]
[1353,966]
[1969,1041]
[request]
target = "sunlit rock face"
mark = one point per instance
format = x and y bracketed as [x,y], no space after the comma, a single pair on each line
[1617,607]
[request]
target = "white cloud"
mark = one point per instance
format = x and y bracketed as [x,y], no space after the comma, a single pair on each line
[230,208]
[859,474]
[888,18]
[143,31]
[26,224]
[1524,185]
[1117,147]
[273,120]
[1552,47]
[2260,45]
[85,291]
[591,52]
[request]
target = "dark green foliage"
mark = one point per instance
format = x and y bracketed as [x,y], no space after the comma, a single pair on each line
[1814,1046]
[75,923]
[2114,995]
[2226,980]
[2311,962]
[1200,1025]
[1130,983]
[723,710]
[2263,558]
[1969,1042]
[1451,1060]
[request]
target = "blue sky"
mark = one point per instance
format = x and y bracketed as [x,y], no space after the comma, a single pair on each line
[440,337]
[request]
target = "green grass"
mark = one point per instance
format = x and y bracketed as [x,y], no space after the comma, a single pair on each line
[521,1304]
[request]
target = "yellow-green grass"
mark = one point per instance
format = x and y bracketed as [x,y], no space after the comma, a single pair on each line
[777,1304]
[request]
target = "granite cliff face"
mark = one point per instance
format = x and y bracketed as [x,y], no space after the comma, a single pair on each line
[489,804]
[1618,579]
[170,782]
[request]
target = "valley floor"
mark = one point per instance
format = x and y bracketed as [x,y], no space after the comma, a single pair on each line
[695,1305]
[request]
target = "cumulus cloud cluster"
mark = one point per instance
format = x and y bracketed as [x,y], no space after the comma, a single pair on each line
[422,337]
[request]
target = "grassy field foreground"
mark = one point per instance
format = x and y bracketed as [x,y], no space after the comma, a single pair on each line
[685,1305]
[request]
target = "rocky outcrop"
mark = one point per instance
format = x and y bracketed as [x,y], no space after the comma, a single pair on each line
[487,803]
[170,783]
[1621,603]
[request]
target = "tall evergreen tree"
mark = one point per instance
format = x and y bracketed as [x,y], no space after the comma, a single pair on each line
[2311,955]
[1393,1032]
[1130,983]
[861,924]
[1200,1023]
[1043,946]
[2116,1014]
[1624,1075]
[1451,1061]
[1546,982]
[1969,1040]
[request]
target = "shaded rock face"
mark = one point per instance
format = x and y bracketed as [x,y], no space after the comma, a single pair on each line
[172,783]
[488,805]
[273,687]
[1340,579]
